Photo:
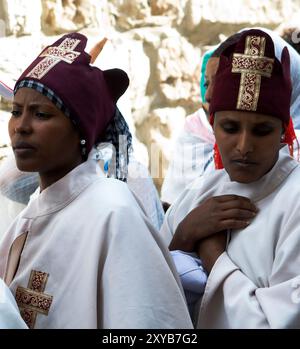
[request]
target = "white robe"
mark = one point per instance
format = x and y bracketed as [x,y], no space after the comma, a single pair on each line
[255,283]
[107,266]
[191,154]
[10,317]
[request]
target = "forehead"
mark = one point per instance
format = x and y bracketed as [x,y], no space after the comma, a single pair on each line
[29,95]
[244,116]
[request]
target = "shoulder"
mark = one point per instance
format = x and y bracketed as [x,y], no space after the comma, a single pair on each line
[112,199]
[111,191]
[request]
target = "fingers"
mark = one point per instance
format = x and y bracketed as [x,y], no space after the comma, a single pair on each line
[237,213]
[235,201]
[233,224]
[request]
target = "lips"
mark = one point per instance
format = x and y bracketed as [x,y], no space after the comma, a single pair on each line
[23,149]
[243,162]
[23,145]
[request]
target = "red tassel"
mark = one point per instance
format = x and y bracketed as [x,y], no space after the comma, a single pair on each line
[217,155]
[290,137]
[217,158]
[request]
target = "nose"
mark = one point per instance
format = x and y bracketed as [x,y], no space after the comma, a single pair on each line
[21,124]
[208,93]
[244,143]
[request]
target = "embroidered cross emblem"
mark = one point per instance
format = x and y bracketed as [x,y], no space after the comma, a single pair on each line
[32,300]
[252,65]
[53,55]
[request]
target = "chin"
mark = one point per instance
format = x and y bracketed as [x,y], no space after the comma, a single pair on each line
[244,177]
[242,180]
[26,166]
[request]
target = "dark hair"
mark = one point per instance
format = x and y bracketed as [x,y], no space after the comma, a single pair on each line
[287,35]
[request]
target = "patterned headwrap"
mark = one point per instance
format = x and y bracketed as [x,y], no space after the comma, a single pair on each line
[117,133]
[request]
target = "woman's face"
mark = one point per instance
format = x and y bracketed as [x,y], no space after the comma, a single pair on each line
[248,142]
[210,73]
[42,137]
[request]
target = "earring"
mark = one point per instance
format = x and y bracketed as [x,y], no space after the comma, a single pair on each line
[83,148]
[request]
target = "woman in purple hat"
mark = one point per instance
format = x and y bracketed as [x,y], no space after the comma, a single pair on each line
[242,221]
[82,254]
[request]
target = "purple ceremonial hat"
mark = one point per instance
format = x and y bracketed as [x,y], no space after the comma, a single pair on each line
[251,78]
[88,94]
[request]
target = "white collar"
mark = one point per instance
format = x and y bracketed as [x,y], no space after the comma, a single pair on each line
[261,188]
[65,190]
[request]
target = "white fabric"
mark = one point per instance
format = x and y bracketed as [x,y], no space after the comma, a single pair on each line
[139,182]
[255,283]
[16,188]
[191,153]
[143,188]
[107,265]
[10,317]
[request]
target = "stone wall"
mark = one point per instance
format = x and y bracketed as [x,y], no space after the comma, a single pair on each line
[158,42]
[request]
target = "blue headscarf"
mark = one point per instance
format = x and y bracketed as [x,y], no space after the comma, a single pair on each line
[205,59]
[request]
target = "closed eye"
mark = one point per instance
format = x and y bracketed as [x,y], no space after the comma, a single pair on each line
[230,127]
[262,130]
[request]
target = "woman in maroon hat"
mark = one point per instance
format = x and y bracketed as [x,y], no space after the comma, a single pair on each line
[243,221]
[82,254]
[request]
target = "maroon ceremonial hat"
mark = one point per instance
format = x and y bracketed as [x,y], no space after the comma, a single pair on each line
[251,78]
[85,93]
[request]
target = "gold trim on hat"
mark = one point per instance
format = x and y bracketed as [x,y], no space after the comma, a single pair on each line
[53,55]
[252,65]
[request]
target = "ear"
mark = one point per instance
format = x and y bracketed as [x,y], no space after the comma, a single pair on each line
[117,81]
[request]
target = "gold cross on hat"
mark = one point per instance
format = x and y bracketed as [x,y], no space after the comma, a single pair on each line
[252,65]
[53,55]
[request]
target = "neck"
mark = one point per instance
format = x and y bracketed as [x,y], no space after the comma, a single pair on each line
[50,177]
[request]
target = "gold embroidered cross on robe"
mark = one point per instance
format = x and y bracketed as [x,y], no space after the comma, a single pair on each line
[252,65]
[53,55]
[31,300]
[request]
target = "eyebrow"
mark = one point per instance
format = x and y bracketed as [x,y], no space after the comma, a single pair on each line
[33,105]
[256,123]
